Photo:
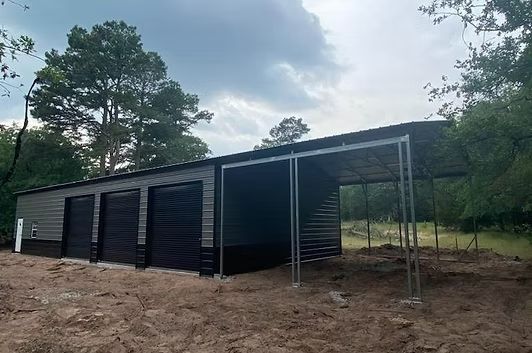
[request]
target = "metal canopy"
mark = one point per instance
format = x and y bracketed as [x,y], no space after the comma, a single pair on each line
[388,159]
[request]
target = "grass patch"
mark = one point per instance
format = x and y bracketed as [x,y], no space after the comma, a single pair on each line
[511,244]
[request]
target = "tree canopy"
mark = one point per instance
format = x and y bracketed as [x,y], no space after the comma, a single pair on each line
[109,94]
[490,107]
[289,130]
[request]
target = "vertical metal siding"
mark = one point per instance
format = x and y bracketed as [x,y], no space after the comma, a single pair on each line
[119,230]
[174,231]
[78,226]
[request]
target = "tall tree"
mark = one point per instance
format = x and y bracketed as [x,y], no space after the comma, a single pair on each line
[161,127]
[106,91]
[289,130]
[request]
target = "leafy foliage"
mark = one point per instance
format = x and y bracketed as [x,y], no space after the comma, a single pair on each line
[46,158]
[289,130]
[383,202]
[499,67]
[492,122]
[10,48]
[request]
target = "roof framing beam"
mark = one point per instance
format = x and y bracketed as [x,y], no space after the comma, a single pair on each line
[321,151]
[383,165]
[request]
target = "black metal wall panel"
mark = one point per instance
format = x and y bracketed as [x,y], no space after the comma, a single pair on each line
[174,228]
[41,247]
[119,227]
[78,226]
[256,217]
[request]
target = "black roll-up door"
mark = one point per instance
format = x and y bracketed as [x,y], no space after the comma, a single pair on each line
[175,226]
[119,231]
[78,226]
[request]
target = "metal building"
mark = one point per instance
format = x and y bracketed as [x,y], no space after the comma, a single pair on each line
[233,213]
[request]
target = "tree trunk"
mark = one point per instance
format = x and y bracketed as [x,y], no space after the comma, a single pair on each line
[140,129]
[137,150]
[104,140]
[18,142]
[113,157]
[115,142]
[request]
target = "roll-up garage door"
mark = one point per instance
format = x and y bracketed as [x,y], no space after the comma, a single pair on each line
[78,226]
[175,226]
[120,227]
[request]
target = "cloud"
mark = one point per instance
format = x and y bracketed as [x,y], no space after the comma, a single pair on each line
[360,64]
[238,124]
[211,47]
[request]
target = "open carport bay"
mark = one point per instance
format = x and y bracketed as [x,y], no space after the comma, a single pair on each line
[257,220]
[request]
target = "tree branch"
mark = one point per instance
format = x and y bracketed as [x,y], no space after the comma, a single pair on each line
[18,143]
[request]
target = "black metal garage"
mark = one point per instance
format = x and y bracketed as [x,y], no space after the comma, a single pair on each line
[239,212]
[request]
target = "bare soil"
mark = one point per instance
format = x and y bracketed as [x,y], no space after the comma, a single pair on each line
[348,304]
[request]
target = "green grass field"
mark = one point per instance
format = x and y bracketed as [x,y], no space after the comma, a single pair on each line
[385,233]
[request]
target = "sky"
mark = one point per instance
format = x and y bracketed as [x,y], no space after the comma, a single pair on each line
[341,65]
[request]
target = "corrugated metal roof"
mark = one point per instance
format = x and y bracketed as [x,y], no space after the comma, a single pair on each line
[421,132]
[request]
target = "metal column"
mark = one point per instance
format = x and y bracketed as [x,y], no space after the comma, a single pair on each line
[298,248]
[413,219]
[222,224]
[292,223]
[399,219]
[405,220]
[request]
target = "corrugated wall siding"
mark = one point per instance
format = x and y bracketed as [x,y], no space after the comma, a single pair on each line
[47,208]
[319,207]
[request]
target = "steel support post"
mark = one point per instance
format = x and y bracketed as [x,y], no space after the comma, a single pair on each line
[292,231]
[222,224]
[365,190]
[413,219]
[435,216]
[399,219]
[298,247]
[405,220]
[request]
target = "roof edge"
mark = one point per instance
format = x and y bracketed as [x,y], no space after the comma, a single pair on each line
[250,154]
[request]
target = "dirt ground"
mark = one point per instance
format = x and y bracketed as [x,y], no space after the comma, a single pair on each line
[348,304]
